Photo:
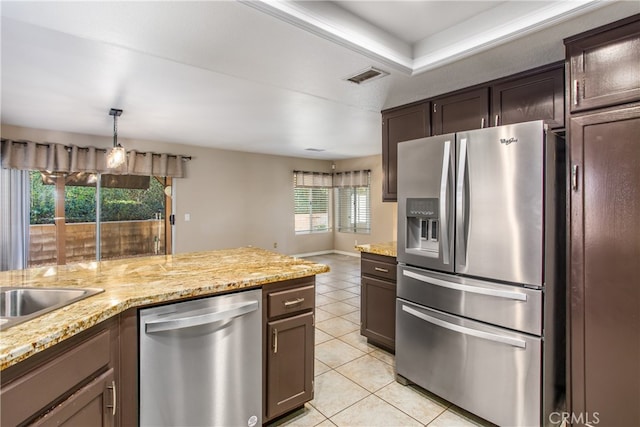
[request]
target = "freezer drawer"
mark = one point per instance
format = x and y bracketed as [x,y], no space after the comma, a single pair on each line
[489,371]
[513,307]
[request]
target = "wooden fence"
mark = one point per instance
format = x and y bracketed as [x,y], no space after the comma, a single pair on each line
[120,239]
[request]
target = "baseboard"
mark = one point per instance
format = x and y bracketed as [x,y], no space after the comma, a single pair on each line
[353,254]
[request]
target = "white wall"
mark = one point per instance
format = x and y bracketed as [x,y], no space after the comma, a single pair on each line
[239,199]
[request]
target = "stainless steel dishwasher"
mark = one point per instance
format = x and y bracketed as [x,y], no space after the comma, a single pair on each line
[201,363]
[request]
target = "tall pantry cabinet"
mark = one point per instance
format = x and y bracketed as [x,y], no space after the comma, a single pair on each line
[603,78]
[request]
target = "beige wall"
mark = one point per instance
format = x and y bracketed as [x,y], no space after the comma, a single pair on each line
[383,215]
[239,199]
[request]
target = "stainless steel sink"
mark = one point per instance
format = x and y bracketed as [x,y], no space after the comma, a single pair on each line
[19,304]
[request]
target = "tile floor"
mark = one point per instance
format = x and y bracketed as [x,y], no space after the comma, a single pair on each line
[355,381]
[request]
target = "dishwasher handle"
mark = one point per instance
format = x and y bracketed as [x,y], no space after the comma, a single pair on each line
[184,320]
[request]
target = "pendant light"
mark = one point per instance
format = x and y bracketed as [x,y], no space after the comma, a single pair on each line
[117,155]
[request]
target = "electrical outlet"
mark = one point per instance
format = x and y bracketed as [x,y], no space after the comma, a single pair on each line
[356,243]
[275,245]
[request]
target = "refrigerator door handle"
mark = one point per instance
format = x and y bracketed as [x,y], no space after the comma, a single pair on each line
[461,208]
[189,320]
[464,330]
[466,288]
[444,203]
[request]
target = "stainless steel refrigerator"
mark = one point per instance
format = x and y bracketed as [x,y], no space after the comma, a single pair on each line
[481,252]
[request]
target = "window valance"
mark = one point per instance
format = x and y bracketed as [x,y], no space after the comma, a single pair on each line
[312,179]
[53,157]
[360,178]
[352,179]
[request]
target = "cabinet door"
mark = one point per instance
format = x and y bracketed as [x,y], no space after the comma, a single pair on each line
[397,126]
[378,311]
[92,405]
[289,363]
[535,97]
[604,268]
[605,66]
[463,111]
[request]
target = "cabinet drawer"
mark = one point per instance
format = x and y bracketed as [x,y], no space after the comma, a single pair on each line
[380,269]
[291,301]
[39,388]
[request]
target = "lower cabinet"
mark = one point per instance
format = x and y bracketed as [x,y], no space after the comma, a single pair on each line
[288,312]
[92,405]
[378,300]
[73,383]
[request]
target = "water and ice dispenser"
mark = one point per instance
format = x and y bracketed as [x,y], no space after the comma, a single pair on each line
[423,226]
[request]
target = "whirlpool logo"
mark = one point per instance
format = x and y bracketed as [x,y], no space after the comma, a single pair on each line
[508,141]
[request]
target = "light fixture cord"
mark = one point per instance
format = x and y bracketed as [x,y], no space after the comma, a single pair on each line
[115,130]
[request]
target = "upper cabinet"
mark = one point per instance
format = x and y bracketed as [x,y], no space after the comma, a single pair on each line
[400,124]
[462,111]
[604,67]
[538,96]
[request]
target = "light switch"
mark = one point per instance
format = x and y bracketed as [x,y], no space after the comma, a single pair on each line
[187,217]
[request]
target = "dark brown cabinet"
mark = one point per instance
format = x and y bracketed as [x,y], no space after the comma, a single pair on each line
[288,312]
[604,231]
[538,96]
[462,111]
[399,125]
[378,300]
[605,249]
[604,65]
[73,383]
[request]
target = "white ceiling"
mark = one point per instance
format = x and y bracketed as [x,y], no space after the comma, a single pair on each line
[265,77]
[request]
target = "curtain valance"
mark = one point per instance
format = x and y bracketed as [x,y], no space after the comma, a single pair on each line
[352,179]
[312,179]
[360,178]
[53,157]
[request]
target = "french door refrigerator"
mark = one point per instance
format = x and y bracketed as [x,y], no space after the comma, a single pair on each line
[481,248]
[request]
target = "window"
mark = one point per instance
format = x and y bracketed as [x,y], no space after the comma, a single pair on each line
[132,219]
[312,202]
[354,202]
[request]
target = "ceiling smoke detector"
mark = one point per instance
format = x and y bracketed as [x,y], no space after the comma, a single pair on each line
[367,75]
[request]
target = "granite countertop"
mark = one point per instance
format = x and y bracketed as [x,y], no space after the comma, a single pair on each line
[134,282]
[387,249]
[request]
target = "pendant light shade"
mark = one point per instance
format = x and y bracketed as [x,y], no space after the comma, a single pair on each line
[117,155]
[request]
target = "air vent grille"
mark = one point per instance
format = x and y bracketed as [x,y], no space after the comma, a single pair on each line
[367,75]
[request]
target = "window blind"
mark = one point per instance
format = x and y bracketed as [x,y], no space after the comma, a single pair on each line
[312,201]
[354,201]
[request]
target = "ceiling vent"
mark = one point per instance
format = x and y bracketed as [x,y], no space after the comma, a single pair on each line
[367,75]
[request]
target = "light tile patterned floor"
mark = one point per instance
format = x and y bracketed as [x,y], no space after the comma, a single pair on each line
[355,381]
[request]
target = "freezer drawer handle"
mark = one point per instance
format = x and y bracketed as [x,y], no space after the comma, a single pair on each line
[466,288]
[186,321]
[466,331]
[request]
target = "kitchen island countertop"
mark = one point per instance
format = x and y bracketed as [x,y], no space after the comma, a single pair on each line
[135,282]
[387,249]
